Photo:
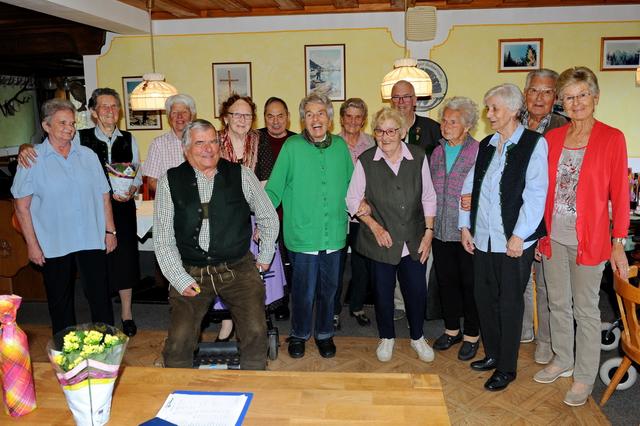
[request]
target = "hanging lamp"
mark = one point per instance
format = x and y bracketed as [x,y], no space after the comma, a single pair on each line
[153,91]
[406,69]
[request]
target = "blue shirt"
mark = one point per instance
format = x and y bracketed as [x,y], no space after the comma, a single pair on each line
[489,225]
[67,207]
[451,153]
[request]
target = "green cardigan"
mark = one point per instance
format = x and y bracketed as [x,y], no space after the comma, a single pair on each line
[311,183]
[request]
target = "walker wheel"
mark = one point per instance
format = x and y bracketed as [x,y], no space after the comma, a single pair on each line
[608,370]
[273,346]
[609,336]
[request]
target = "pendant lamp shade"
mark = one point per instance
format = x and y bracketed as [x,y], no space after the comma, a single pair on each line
[406,69]
[151,93]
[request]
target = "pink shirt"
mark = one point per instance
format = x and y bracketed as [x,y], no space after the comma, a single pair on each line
[164,153]
[364,142]
[358,184]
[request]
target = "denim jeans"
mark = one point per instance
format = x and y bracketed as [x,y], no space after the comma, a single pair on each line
[316,280]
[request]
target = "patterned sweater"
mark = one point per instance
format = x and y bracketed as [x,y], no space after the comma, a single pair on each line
[449,185]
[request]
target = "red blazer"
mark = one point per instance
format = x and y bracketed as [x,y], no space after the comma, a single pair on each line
[603,177]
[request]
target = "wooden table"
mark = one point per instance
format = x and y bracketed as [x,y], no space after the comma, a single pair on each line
[280,397]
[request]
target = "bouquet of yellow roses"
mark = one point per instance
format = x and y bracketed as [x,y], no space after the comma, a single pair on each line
[86,359]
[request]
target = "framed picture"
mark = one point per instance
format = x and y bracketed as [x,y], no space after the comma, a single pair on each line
[230,78]
[619,53]
[138,120]
[519,54]
[439,85]
[324,67]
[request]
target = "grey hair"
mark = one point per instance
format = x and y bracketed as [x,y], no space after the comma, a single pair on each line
[541,73]
[103,91]
[575,75]
[510,95]
[180,98]
[385,114]
[356,103]
[316,98]
[52,106]
[198,124]
[468,110]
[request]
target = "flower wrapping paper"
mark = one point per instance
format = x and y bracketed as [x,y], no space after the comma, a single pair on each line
[17,377]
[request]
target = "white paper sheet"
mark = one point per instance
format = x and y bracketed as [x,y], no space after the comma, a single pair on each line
[204,408]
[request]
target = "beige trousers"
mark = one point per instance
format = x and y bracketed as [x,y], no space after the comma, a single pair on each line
[573,292]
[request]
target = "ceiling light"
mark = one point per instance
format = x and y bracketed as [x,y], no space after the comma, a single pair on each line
[153,91]
[406,69]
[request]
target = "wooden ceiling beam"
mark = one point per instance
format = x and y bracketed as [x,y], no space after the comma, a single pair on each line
[234,5]
[290,4]
[175,9]
[345,4]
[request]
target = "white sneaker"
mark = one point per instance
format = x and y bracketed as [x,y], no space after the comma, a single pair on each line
[422,348]
[385,349]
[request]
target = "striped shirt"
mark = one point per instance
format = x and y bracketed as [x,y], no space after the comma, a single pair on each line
[164,237]
[164,153]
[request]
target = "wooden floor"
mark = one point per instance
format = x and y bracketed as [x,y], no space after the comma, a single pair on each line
[525,402]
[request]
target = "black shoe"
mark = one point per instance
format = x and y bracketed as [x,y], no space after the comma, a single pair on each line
[485,364]
[446,341]
[282,313]
[226,339]
[326,347]
[129,327]
[296,347]
[362,319]
[499,380]
[468,350]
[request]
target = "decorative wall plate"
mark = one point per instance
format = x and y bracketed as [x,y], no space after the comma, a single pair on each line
[440,85]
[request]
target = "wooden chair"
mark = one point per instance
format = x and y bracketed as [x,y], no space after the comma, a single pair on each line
[628,301]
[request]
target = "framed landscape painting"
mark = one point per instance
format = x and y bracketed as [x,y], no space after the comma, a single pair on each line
[619,53]
[138,120]
[230,78]
[324,68]
[519,54]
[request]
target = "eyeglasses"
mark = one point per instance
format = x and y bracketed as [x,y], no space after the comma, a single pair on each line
[544,92]
[238,116]
[577,98]
[403,98]
[389,132]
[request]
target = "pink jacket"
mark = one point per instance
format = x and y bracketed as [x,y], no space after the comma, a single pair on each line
[603,177]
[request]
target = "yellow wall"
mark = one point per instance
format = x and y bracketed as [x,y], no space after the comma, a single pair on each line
[277,66]
[469,56]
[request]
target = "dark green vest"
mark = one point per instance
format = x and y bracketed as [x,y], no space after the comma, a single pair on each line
[121,150]
[396,204]
[228,213]
[512,182]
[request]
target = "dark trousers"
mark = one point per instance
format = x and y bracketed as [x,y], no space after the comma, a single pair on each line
[360,274]
[316,281]
[59,276]
[454,272]
[413,286]
[242,290]
[500,282]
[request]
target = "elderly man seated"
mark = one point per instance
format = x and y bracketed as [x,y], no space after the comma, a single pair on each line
[202,231]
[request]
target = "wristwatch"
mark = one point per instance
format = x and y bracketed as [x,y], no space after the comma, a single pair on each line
[622,241]
[111,232]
